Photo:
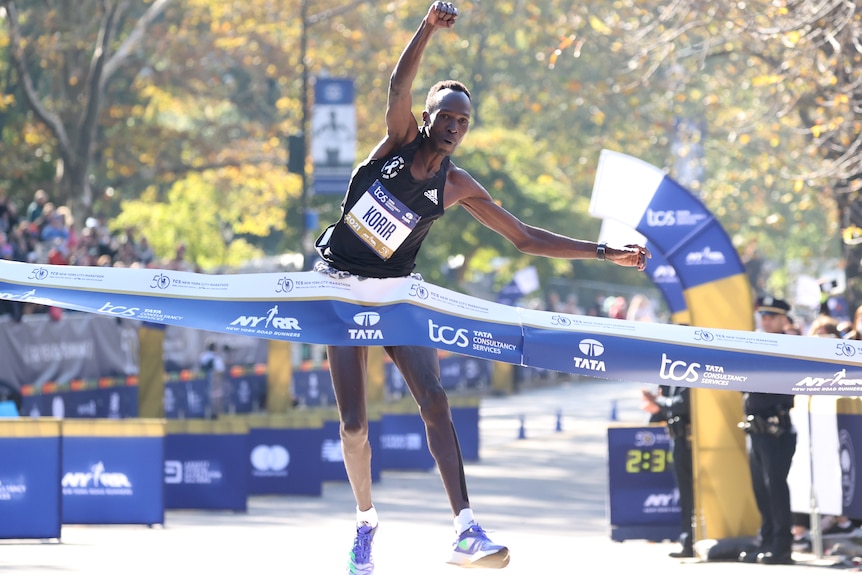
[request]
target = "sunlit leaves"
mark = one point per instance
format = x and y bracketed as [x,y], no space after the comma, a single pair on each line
[216,89]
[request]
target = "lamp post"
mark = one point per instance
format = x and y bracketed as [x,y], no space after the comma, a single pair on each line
[303,99]
[227,234]
[298,143]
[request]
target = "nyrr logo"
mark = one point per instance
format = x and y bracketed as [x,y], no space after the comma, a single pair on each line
[27,296]
[662,500]
[664,274]
[705,257]
[840,378]
[97,477]
[591,348]
[271,319]
[678,370]
[447,335]
[366,319]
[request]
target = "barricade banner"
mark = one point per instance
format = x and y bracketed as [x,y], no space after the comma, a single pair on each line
[818,458]
[465,417]
[849,423]
[113,471]
[311,307]
[681,231]
[186,398]
[643,499]
[331,456]
[105,403]
[313,388]
[81,346]
[284,452]
[30,504]
[246,391]
[719,359]
[403,443]
[207,465]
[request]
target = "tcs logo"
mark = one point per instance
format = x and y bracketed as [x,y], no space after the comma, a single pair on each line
[678,370]
[447,335]
[660,218]
[119,310]
[381,195]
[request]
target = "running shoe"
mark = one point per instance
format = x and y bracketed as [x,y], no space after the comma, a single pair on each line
[473,548]
[360,562]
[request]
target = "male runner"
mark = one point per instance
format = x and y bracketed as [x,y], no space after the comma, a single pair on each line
[394,196]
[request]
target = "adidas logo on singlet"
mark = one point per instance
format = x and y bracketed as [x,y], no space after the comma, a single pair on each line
[432,195]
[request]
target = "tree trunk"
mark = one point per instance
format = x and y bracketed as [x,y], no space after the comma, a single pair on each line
[75,189]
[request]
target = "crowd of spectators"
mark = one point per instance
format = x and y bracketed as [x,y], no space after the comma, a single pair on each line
[47,234]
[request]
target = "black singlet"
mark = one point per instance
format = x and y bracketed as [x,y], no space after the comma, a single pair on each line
[385,216]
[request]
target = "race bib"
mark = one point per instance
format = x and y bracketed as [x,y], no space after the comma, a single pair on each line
[381,220]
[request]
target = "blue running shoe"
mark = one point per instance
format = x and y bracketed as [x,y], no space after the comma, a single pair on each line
[360,556]
[474,549]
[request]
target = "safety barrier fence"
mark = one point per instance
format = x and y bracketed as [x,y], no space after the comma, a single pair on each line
[129,471]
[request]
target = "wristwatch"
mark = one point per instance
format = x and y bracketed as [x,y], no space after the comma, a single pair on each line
[600,251]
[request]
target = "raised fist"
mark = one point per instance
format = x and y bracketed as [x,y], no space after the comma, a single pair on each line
[442,14]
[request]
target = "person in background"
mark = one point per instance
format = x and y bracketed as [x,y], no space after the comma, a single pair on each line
[641,309]
[771,445]
[671,404]
[393,199]
[145,252]
[36,207]
[214,368]
[618,308]
[856,325]
[56,229]
[831,525]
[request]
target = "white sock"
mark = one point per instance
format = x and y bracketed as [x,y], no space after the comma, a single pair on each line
[464,520]
[369,516]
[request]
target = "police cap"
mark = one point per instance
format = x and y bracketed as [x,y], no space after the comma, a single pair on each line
[771,305]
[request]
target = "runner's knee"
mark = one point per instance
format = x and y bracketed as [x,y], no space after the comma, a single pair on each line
[433,404]
[353,431]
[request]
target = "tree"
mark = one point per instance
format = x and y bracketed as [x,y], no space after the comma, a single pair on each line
[778,84]
[70,107]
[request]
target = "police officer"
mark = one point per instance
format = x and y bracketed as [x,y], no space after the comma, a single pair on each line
[772,443]
[672,405]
